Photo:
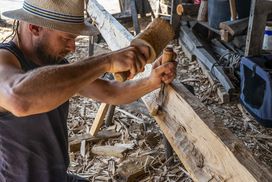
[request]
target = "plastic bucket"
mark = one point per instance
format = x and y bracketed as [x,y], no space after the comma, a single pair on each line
[267,42]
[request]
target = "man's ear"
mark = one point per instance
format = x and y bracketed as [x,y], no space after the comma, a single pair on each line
[35,29]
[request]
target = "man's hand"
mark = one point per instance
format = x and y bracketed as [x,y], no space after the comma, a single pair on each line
[131,59]
[162,73]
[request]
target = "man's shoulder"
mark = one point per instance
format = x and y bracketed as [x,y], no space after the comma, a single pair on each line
[8,58]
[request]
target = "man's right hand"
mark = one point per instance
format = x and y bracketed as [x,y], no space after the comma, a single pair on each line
[131,59]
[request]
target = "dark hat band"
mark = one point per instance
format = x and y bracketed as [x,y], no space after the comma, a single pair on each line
[52,15]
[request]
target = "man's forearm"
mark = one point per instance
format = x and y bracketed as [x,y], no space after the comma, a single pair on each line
[116,93]
[133,90]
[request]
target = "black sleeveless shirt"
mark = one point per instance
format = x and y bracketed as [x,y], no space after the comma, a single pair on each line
[33,148]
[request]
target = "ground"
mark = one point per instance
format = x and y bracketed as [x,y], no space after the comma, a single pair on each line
[139,133]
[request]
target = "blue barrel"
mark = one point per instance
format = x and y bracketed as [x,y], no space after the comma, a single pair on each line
[218,11]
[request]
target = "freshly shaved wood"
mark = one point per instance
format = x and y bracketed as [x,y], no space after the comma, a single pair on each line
[74,142]
[99,118]
[112,151]
[236,27]
[208,150]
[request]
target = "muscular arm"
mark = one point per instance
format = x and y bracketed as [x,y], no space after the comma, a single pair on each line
[44,88]
[117,93]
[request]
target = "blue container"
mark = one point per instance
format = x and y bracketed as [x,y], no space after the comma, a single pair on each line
[218,11]
[256,87]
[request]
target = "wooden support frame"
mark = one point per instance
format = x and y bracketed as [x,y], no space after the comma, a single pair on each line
[189,40]
[208,150]
[257,21]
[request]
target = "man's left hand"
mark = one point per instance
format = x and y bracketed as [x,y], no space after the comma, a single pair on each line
[162,73]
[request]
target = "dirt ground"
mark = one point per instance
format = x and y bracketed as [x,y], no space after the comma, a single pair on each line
[139,133]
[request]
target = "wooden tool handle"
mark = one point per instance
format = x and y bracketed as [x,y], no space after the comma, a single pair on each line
[121,76]
[168,54]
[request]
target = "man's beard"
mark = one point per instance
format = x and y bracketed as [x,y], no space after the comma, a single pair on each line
[44,56]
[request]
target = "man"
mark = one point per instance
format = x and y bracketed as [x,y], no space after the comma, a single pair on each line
[36,83]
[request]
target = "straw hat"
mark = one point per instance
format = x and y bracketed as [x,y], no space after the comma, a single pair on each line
[63,15]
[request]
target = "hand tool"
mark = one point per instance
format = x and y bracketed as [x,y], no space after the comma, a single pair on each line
[156,36]
[167,56]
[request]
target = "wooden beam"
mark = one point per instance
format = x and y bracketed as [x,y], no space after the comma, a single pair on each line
[188,38]
[257,21]
[74,142]
[208,150]
[113,32]
[236,27]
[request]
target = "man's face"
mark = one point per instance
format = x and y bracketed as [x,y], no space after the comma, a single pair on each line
[52,46]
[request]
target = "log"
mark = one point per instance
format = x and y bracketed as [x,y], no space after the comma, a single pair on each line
[208,150]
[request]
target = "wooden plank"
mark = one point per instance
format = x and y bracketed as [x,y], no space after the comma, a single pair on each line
[236,27]
[208,150]
[74,142]
[257,21]
[109,27]
[99,118]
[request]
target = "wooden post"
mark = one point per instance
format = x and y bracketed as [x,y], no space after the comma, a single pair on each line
[134,15]
[175,18]
[99,118]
